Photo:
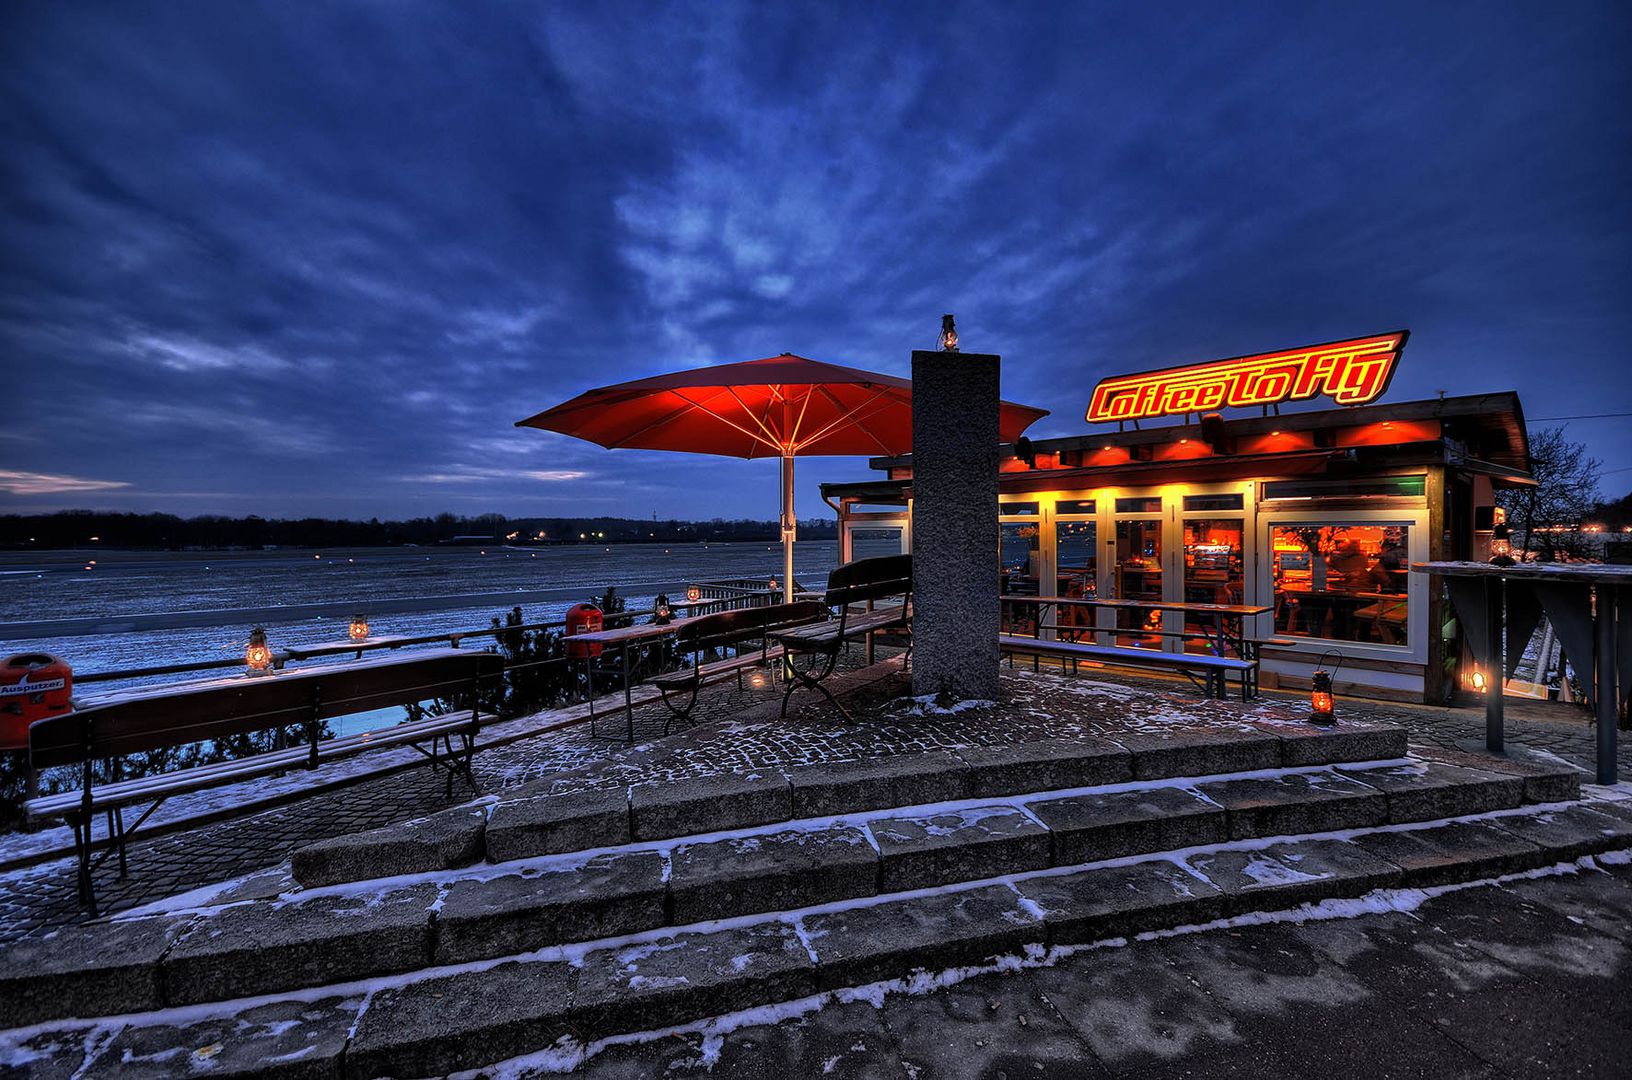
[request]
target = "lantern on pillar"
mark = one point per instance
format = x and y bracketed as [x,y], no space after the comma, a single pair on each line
[358,630]
[1321,705]
[258,654]
[949,335]
[662,613]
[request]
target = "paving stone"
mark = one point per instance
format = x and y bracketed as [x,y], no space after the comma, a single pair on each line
[687,977]
[557,822]
[771,872]
[1159,757]
[279,1040]
[917,852]
[878,784]
[1045,765]
[1547,778]
[1113,824]
[1426,790]
[1297,803]
[265,947]
[709,804]
[583,899]
[1120,901]
[1571,832]
[439,842]
[891,939]
[1460,851]
[97,969]
[1310,744]
[1285,875]
[435,1026]
[58,1053]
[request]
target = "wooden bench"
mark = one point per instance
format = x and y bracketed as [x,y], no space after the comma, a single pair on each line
[723,630]
[862,582]
[1213,669]
[145,720]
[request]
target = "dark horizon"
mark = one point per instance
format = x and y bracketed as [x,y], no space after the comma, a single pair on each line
[317,263]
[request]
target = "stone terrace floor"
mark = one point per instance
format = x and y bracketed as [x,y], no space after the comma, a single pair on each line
[731,730]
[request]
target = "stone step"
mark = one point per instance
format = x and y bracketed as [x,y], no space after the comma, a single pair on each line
[472,1015]
[553,817]
[313,938]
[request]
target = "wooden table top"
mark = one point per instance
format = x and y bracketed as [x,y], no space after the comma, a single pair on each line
[638,632]
[1580,573]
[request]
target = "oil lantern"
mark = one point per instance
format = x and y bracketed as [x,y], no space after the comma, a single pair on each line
[1320,691]
[358,630]
[1501,546]
[693,593]
[663,612]
[258,654]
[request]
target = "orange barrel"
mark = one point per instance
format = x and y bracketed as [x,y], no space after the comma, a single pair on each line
[583,619]
[33,686]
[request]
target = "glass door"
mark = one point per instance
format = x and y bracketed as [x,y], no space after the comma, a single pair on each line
[1136,553]
[1076,565]
[1214,559]
[1020,563]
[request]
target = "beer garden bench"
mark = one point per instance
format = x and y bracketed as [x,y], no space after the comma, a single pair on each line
[1214,670]
[159,718]
[883,578]
[710,634]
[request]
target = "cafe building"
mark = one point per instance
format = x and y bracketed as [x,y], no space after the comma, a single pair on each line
[1193,487]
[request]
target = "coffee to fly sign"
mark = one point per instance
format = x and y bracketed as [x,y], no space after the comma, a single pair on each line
[1349,372]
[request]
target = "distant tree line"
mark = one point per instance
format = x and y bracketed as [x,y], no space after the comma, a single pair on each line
[76,528]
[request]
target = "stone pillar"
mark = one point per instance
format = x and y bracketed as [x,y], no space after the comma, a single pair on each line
[954,524]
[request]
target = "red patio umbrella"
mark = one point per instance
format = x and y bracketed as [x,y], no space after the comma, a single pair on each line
[783,406]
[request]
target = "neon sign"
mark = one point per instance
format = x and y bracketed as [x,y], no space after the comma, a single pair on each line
[1349,372]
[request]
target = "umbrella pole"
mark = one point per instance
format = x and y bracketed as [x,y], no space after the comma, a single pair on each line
[788,528]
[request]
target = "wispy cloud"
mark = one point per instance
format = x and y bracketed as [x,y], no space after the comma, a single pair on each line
[466,475]
[32,483]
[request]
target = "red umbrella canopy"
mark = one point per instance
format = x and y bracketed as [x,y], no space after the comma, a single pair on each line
[782,406]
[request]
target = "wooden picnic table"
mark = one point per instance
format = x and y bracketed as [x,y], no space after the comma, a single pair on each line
[624,639]
[1222,615]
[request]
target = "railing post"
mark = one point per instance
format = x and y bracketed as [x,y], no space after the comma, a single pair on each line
[1496,637]
[1606,700]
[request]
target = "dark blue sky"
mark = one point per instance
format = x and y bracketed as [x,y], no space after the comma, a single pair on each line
[317,258]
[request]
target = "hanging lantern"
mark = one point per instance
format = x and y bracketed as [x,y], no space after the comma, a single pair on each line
[949,335]
[663,613]
[693,593]
[358,630]
[1321,709]
[1501,546]
[258,654]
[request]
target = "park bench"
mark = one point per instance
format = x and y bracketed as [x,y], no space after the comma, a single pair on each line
[160,718]
[707,635]
[1213,670]
[886,578]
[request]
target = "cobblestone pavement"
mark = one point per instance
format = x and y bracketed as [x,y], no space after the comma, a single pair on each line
[732,729]
[1525,979]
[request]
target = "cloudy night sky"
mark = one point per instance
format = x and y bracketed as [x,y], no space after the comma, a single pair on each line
[317,258]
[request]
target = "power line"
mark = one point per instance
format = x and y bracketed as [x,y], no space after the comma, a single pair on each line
[1588,416]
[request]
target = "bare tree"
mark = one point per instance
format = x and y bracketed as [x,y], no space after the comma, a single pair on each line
[1566,491]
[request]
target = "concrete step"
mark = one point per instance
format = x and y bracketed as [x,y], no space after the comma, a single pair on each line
[556,817]
[470,1015]
[313,938]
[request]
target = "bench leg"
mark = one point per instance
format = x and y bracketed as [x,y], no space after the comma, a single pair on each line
[82,849]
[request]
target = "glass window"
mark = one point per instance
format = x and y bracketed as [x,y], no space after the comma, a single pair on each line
[876,540]
[1027,508]
[1342,582]
[1213,502]
[1018,558]
[1213,571]
[1074,506]
[1140,504]
[1378,487]
[1076,558]
[1139,577]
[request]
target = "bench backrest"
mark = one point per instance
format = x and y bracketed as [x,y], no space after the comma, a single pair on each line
[727,628]
[878,578]
[121,728]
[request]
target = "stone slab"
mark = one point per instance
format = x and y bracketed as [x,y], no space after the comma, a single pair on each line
[441,841]
[559,822]
[1160,757]
[1461,851]
[1045,765]
[878,784]
[772,872]
[583,899]
[707,804]
[920,852]
[1120,901]
[1114,824]
[98,969]
[265,947]
[278,1040]
[687,977]
[1546,778]
[1285,875]
[891,939]
[1426,790]
[435,1026]
[1571,832]
[1296,803]
[1310,744]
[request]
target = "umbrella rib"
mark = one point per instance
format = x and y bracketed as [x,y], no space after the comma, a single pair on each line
[675,415]
[730,423]
[851,417]
[861,425]
[793,436]
[770,436]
